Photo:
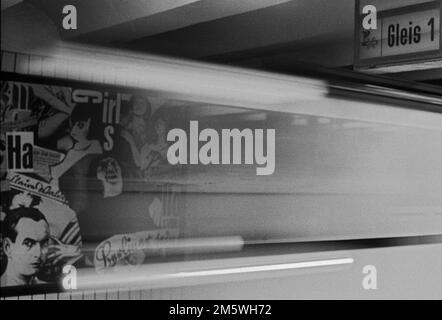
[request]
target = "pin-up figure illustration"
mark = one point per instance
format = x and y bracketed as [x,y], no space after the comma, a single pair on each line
[83,148]
[136,127]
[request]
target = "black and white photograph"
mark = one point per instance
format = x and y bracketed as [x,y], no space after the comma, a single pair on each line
[221,156]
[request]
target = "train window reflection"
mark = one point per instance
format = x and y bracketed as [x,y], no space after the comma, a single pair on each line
[105,190]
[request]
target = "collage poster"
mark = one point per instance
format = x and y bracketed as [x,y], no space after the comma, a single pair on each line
[82,179]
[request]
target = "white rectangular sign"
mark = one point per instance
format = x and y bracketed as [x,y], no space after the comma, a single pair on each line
[411,32]
[401,35]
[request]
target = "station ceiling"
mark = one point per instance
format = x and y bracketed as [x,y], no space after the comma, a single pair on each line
[201,28]
[246,32]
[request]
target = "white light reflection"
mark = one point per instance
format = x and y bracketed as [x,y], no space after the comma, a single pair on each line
[161,275]
[273,267]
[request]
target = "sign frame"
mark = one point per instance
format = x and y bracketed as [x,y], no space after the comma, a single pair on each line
[371,63]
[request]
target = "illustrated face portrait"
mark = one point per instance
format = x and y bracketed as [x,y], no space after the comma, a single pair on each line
[138,125]
[80,129]
[109,171]
[27,253]
[139,107]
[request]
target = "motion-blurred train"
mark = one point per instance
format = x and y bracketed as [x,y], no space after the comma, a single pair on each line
[353,208]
